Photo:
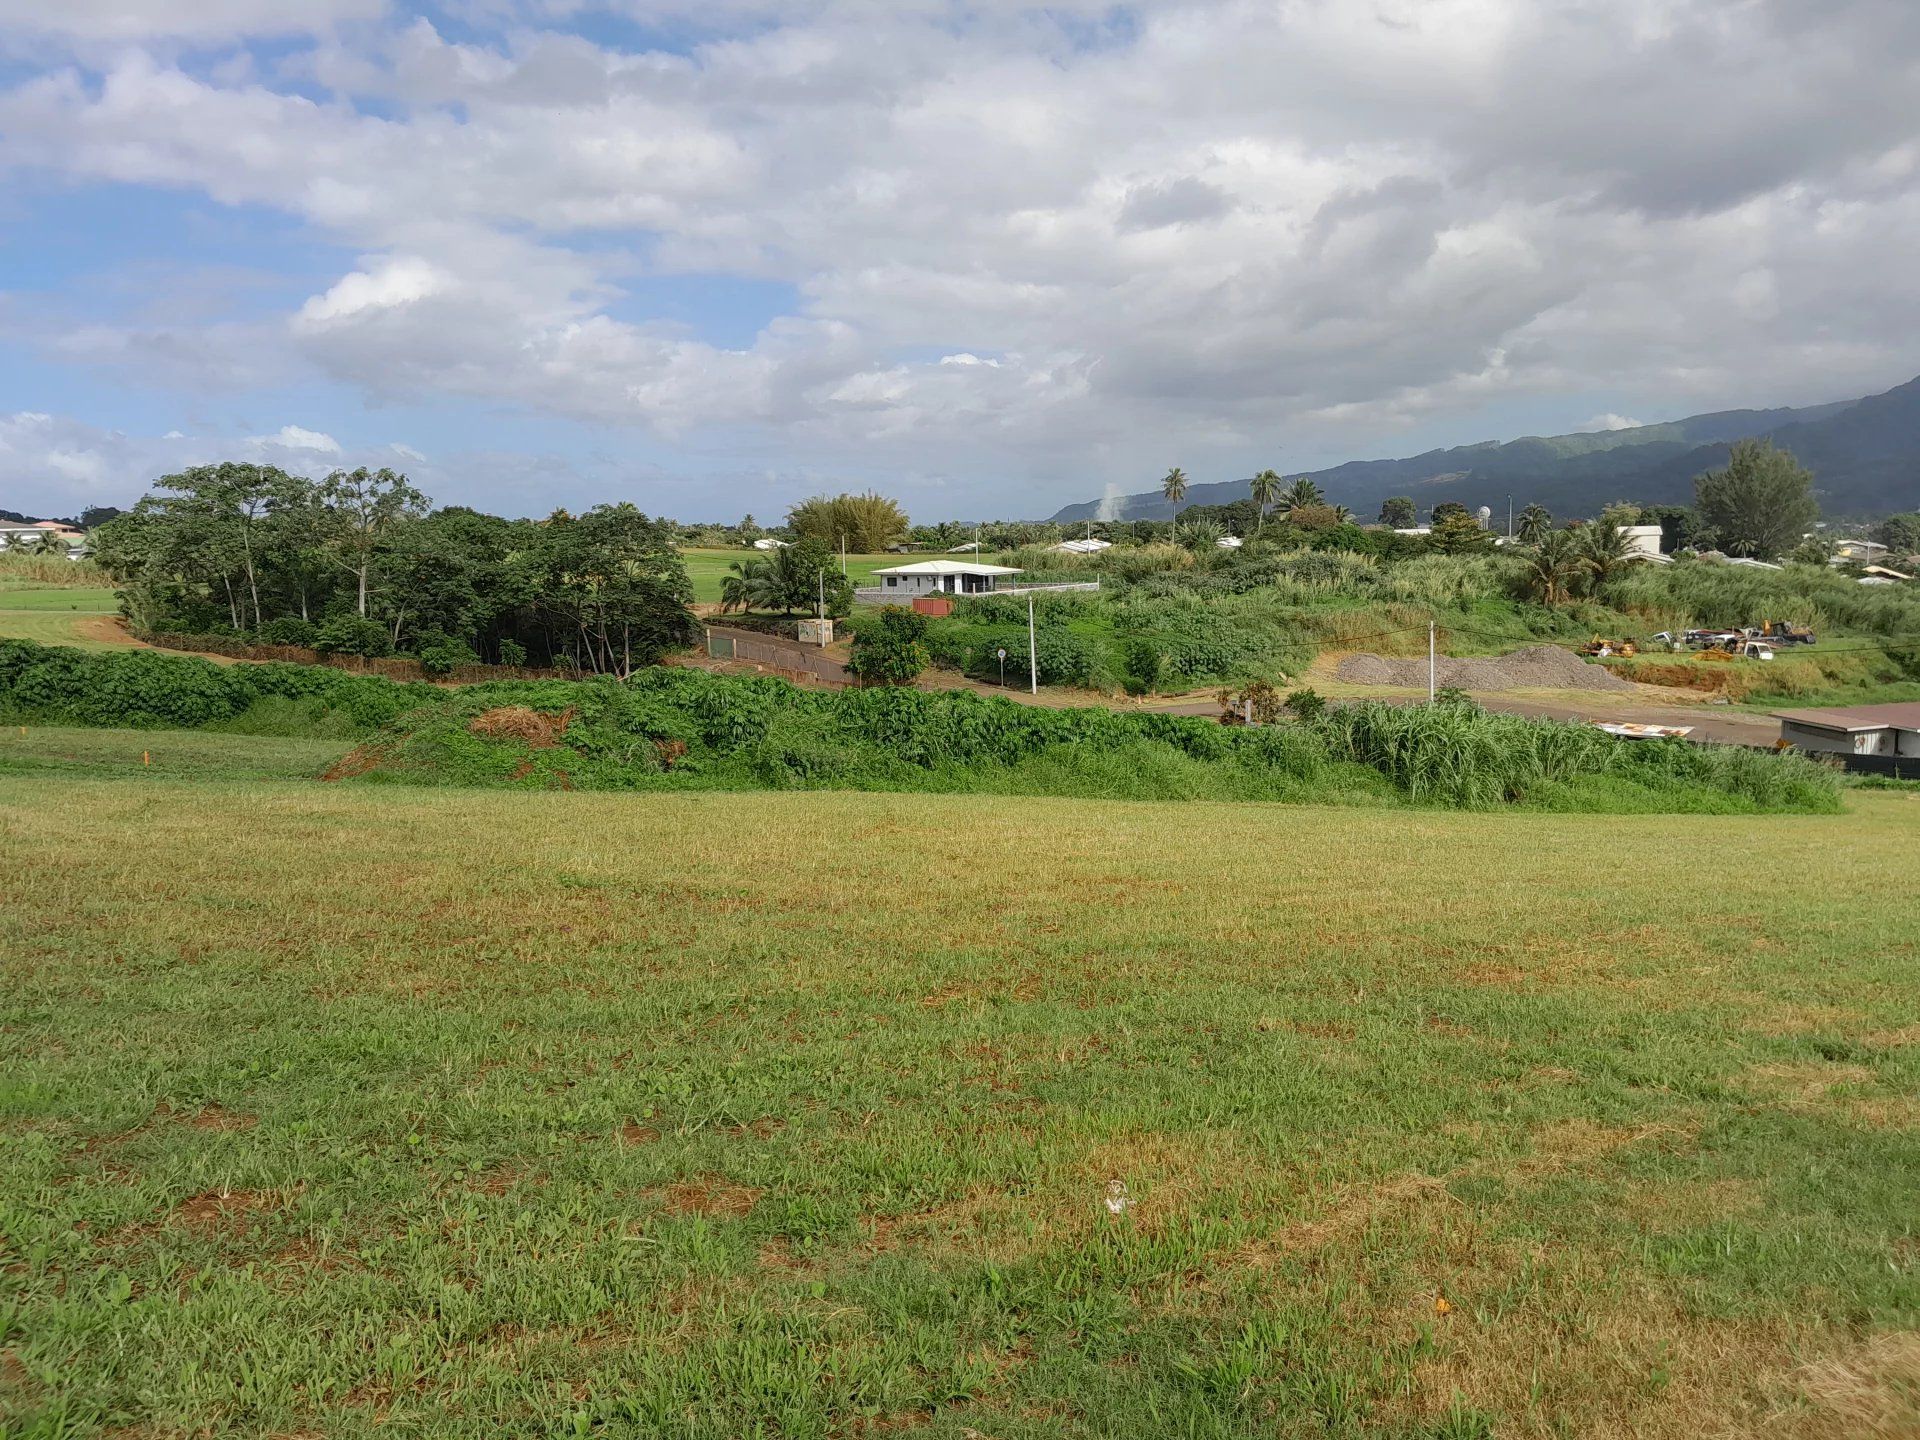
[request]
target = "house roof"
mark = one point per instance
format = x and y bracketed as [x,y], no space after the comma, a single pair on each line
[948,567]
[1903,715]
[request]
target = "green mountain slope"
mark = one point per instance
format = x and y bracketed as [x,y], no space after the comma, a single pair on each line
[1865,455]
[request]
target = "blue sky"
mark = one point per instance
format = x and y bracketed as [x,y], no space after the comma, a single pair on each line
[985,256]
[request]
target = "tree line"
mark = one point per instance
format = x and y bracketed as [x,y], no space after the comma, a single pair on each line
[360,563]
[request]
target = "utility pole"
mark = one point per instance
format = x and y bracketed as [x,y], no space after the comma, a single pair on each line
[1509,517]
[821,576]
[1432,667]
[1033,653]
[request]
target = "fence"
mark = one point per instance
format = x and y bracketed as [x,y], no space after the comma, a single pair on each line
[787,655]
[393,667]
[1893,767]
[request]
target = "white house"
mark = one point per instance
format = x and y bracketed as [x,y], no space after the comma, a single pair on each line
[1229,542]
[1642,540]
[1088,546]
[938,577]
[767,542]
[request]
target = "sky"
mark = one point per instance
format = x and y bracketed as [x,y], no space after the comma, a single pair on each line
[713,256]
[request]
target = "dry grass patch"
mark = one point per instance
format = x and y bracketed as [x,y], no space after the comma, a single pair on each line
[1868,1392]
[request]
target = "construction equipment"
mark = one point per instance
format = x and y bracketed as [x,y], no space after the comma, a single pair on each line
[1599,648]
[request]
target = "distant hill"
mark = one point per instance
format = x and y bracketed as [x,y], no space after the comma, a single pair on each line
[1864,454]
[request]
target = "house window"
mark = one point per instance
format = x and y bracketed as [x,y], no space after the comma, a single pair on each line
[892,580]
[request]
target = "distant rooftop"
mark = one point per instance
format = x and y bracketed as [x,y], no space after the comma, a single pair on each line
[1902,715]
[948,567]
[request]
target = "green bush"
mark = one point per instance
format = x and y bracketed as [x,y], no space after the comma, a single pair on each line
[146,689]
[443,656]
[893,651]
[353,635]
[289,630]
[675,728]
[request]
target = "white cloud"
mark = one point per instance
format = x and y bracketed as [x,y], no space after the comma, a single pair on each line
[1195,231]
[293,437]
[1610,421]
[123,20]
[400,280]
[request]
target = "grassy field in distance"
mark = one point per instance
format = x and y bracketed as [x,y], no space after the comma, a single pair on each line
[354,1111]
[706,568]
[54,615]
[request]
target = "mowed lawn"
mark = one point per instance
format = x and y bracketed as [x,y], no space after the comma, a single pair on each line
[707,568]
[344,1110]
[55,615]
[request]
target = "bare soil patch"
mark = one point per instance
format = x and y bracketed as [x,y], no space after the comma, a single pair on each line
[1534,667]
[711,1196]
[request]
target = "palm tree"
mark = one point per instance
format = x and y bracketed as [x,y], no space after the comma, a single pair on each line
[1554,566]
[746,584]
[1535,522]
[50,543]
[1200,536]
[1606,552]
[1301,494]
[1266,490]
[1341,514]
[1173,485]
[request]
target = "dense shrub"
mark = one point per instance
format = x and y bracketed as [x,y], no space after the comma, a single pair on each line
[289,630]
[353,635]
[686,728]
[442,656]
[143,689]
[893,650]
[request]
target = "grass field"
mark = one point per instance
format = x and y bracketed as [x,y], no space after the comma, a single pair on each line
[706,568]
[53,615]
[349,1111]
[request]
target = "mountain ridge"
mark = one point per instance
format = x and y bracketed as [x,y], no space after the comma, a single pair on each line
[1864,452]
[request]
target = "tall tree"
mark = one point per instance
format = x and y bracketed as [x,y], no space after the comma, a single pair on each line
[617,587]
[1604,551]
[366,507]
[1535,521]
[1173,485]
[1761,504]
[1899,533]
[1399,512]
[1554,566]
[1301,494]
[865,524]
[1266,490]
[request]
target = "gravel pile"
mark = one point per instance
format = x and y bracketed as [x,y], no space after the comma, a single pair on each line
[1537,667]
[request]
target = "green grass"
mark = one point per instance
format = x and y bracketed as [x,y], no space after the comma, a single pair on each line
[706,568]
[357,1111]
[69,751]
[53,615]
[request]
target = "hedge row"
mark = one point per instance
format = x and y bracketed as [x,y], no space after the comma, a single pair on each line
[144,689]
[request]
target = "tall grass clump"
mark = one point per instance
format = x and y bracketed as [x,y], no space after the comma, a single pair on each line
[1461,756]
[20,568]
